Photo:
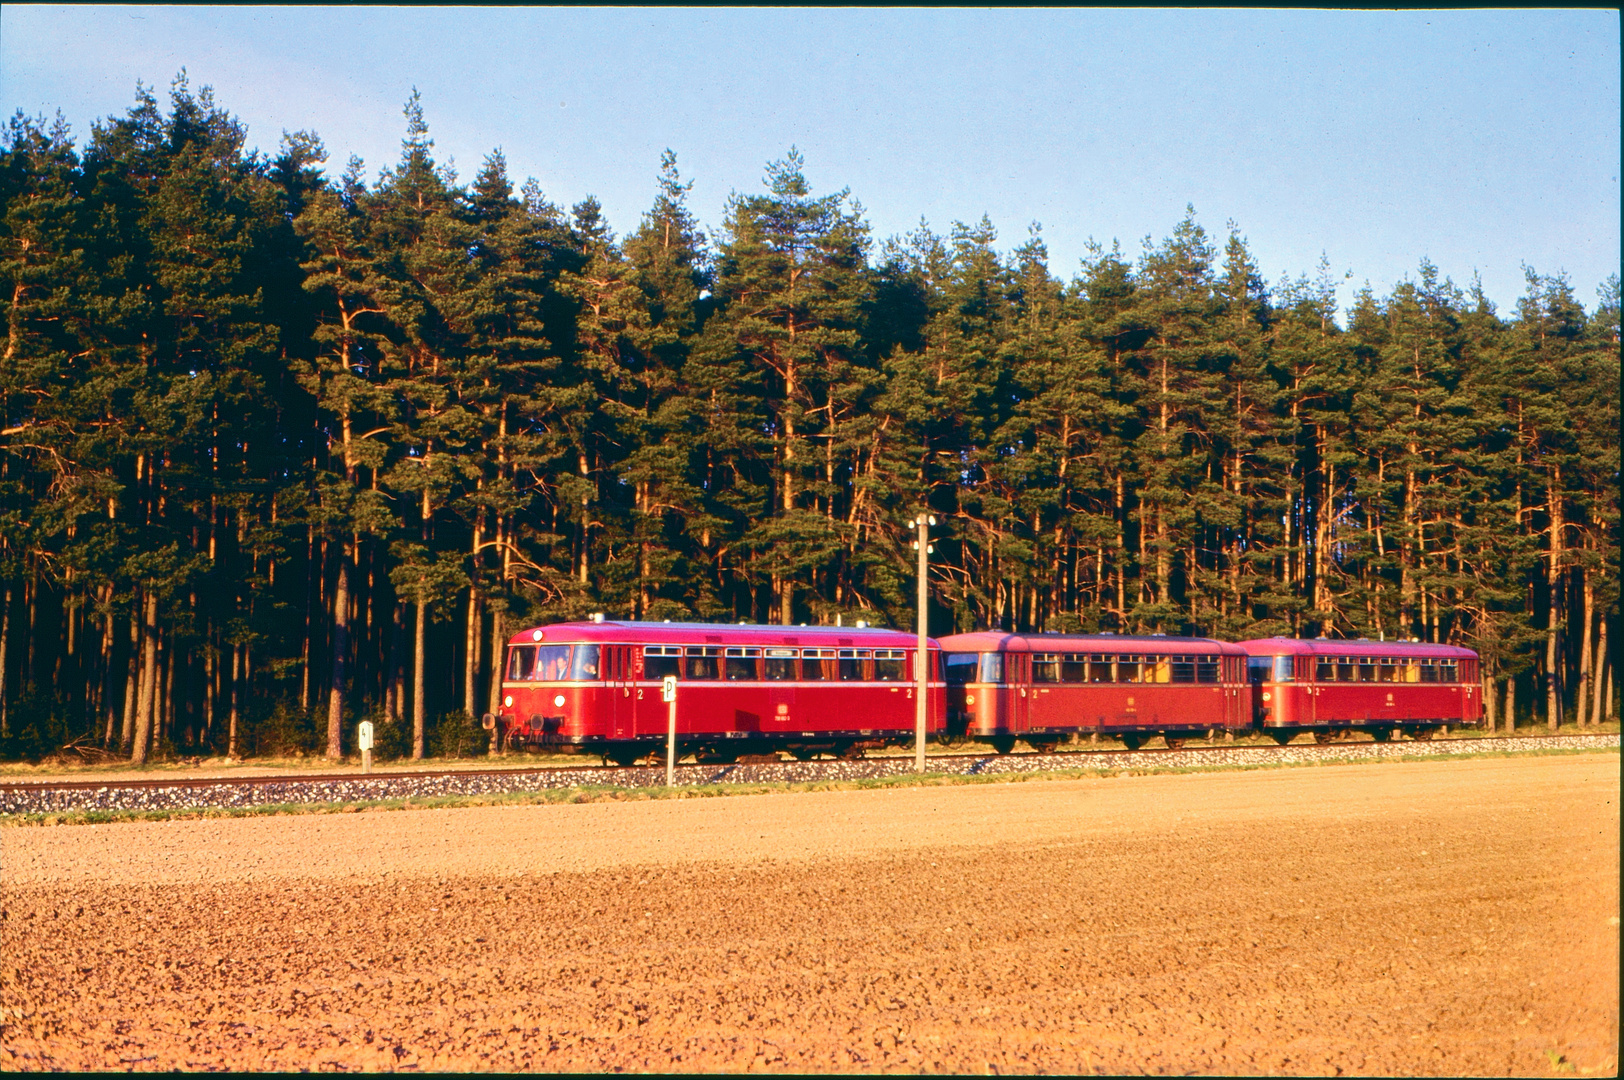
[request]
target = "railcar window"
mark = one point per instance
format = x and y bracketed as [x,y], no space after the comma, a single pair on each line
[741,664]
[778,665]
[587,664]
[1284,669]
[1074,667]
[552,663]
[1128,668]
[812,660]
[1183,668]
[661,660]
[959,667]
[1100,669]
[704,662]
[1367,668]
[521,663]
[1325,670]
[1046,667]
[852,663]
[1344,669]
[1206,669]
[888,665]
[1450,671]
[992,667]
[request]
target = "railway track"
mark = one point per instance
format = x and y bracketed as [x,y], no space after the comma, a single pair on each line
[227,792]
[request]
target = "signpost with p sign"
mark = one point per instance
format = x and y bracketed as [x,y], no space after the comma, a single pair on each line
[363,739]
[668,694]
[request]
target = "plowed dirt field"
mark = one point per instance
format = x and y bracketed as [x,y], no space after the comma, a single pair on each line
[1456,917]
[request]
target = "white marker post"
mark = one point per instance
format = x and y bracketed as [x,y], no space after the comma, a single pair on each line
[363,739]
[668,694]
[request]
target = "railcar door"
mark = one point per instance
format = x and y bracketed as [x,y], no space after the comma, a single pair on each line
[1017,691]
[618,690]
[1232,676]
[1308,696]
[1466,672]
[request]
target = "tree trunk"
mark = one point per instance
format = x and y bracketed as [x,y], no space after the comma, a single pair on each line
[498,655]
[395,699]
[1597,715]
[1553,619]
[419,679]
[236,698]
[1586,657]
[5,635]
[1511,705]
[341,643]
[206,722]
[109,709]
[470,666]
[149,678]
[1612,704]
[131,681]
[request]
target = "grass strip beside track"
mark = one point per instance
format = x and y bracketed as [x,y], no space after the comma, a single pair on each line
[607,793]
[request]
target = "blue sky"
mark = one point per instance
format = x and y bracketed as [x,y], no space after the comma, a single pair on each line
[1478,139]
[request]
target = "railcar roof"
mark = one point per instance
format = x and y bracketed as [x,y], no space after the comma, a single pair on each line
[996,640]
[700,633]
[1282,646]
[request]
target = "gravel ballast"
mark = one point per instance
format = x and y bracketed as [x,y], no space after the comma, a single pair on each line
[194,794]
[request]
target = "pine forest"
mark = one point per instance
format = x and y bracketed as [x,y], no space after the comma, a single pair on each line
[285,448]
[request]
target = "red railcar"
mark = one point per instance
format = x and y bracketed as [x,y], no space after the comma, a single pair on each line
[1045,687]
[595,687]
[1329,687]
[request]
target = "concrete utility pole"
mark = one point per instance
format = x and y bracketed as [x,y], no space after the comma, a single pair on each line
[922,658]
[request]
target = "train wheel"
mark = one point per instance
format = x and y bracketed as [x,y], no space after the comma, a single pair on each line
[1174,742]
[1382,734]
[850,753]
[1003,743]
[1422,734]
[1133,742]
[1325,738]
[1044,747]
[801,753]
[1282,737]
[622,755]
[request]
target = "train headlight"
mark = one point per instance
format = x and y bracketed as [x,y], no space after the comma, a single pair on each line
[508,701]
[969,699]
[558,700]
[1266,695]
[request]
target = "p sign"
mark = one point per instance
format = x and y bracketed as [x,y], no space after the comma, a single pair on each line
[668,688]
[363,735]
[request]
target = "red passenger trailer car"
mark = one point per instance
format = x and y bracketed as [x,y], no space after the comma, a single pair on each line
[1330,687]
[1046,687]
[594,687]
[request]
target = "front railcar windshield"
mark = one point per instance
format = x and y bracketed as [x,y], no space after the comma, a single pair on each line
[960,668]
[552,663]
[1274,669]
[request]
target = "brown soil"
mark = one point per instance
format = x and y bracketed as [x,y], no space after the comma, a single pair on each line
[1455,917]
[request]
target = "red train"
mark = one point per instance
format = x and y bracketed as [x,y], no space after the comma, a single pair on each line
[1047,687]
[1334,687]
[594,687]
